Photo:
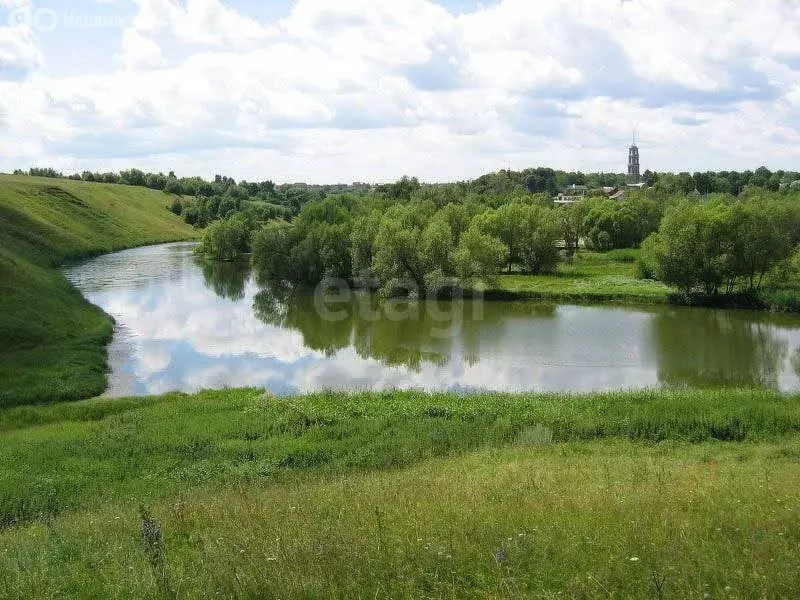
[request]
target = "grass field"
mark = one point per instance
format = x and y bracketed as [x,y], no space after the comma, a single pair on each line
[403,495]
[53,342]
[592,277]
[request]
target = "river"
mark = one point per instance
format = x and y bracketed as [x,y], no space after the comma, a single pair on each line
[185,325]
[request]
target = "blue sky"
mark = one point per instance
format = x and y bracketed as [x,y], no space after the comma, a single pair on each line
[369,90]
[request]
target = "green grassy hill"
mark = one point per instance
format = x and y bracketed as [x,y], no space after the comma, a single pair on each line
[52,342]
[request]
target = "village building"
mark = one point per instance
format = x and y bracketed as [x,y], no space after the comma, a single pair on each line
[571,194]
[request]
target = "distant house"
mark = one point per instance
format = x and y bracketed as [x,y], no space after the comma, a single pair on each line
[571,194]
[576,193]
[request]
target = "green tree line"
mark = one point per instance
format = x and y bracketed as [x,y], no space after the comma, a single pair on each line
[723,246]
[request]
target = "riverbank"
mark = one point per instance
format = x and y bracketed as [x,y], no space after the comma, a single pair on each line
[54,342]
[402,495]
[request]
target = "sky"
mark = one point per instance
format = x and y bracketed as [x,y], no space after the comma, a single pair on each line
[329,91]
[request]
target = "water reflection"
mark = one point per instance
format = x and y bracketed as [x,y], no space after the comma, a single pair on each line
[185,324]
[395,332]
[226,279]
[705,348]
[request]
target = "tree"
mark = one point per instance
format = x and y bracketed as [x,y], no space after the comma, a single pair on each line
[706,246]
[703,182]
[761,177]
[572,229]
[760,239]
[507,223]
[685,183]
[599,223]
[156,181]
[401,190]
[316,245]
[272,253]
[542,180]
[673,254]
[227,239]
[539,244]
[362,244]
[173,186]
[133,177]
[479,256]
[225,207]
[399,252]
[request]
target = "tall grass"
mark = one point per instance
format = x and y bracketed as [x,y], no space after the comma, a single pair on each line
[68,457]
[581,520]
[240,494]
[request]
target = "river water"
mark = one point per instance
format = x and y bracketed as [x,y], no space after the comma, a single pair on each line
[185,325]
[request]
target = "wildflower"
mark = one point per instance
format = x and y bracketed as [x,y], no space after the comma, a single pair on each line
[634,559]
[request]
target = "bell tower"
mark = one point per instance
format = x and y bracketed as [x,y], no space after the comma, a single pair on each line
[634,175]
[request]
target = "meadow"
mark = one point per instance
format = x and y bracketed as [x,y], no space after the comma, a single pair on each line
[53,341]
[591,277]
[238,494]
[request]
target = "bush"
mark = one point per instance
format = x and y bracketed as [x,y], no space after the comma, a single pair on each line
[643,270]
[176,206]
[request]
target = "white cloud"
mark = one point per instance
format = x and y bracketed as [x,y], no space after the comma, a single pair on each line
[370,90]
[19,54]
[140,52]
[198,21]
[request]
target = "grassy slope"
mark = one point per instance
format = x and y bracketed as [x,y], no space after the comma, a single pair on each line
[405,495]
[53,342]
[593,277]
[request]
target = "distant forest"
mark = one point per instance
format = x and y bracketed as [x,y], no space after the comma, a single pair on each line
[710,233]
[225,195]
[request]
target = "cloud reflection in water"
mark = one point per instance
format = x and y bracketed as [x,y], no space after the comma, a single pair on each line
[185,325]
